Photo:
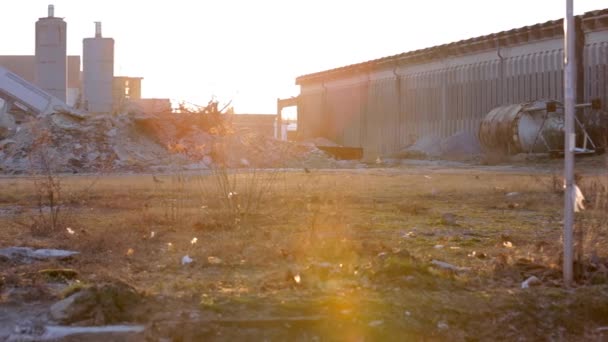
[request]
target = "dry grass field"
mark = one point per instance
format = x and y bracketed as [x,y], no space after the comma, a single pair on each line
[347,255]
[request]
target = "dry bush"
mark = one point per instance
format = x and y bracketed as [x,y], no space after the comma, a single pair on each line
[593,227]
[52,201]
[48,217]
[229,197]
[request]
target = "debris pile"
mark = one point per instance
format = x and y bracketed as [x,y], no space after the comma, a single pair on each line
[459,145]
[140,142]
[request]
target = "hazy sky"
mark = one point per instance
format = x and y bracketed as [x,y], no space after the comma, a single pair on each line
[251,51]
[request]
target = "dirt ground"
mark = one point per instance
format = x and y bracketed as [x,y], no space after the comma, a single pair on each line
[348,255]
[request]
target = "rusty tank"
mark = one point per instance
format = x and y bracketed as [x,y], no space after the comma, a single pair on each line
[532,127]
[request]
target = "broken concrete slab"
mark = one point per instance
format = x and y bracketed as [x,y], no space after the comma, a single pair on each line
[83,333]
[28,254]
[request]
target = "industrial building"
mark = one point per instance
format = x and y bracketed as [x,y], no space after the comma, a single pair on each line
[25,67]
[386,104]
[51,52]
[93,89]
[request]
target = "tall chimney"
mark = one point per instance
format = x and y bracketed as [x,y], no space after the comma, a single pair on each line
[51,55]
[98,29]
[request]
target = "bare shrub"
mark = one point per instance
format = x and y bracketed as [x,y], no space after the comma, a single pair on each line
[49,216]
[227,195]
[235,195]
[596,218]
[175,206]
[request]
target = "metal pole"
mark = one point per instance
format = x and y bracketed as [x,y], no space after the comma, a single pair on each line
[569,92]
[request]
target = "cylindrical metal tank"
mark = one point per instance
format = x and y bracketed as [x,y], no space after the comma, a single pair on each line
[51,55]
[98,72]
[523,128]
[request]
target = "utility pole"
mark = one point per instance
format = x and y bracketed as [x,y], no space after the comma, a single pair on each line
[570,141]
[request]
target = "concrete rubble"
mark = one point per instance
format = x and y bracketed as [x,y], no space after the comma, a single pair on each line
[94,333]
[28,254]
[460,145]
[141,142]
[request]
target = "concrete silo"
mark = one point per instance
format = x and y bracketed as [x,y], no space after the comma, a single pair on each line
[98,72]
[51,55]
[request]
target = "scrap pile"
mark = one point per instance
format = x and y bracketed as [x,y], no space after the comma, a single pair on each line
[141,142]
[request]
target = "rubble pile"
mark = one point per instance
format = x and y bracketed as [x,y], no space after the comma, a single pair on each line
[460,145]
[139,142]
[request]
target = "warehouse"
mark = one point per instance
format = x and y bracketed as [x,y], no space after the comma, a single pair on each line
[386,104]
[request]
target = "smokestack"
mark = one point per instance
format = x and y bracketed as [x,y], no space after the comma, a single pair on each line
[51,57]
[98,29]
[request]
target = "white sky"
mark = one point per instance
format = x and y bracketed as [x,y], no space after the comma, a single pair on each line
[251,51]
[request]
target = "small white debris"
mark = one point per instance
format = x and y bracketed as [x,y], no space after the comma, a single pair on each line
[186,260]
[152,234]
[407,313]
[408,235]
[297,278]
[193,241]
[508,244]
[438,246]
[214,260]
[70,231]
[376,323]
[579,199]
[441,325]
[512,194]
[427,177]
[232,194]
[532,281]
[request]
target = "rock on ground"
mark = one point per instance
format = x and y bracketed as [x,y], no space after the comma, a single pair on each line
[108,303]
[28,254]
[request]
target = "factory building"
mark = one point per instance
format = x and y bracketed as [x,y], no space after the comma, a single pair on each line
[386,104]
[95,89]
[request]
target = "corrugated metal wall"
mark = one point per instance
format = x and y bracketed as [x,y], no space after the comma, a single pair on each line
[596,69]
[441,98]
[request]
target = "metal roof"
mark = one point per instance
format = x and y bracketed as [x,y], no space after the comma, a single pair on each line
[591,21]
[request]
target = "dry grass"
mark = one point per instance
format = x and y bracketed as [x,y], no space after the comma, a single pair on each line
[352,247]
